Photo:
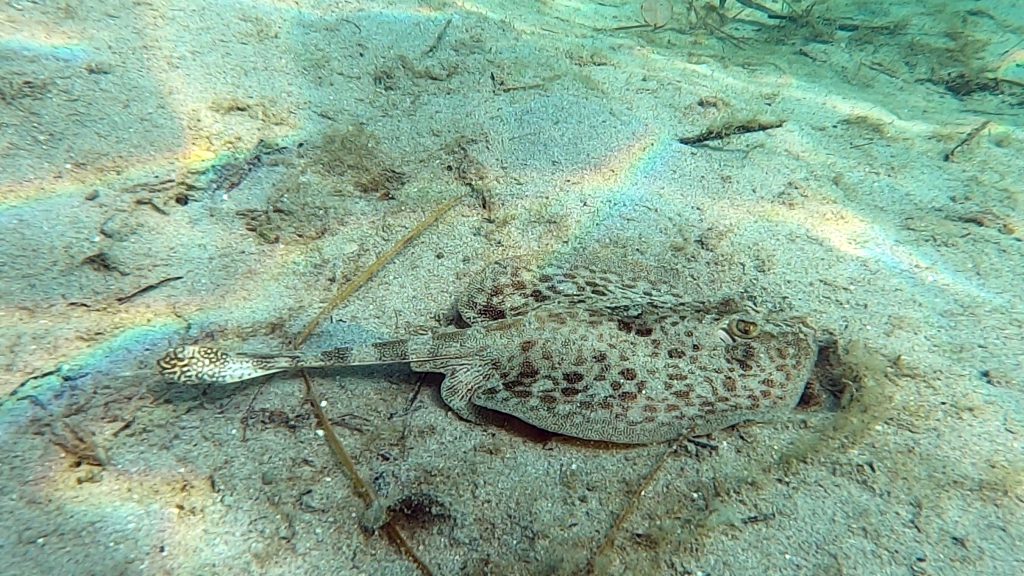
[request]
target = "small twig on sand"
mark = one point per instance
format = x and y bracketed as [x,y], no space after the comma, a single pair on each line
[629,509]
[147,288]
[967,139]
[723,132]
[363,490]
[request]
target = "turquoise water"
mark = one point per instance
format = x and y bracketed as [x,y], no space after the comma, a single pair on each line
[184,173]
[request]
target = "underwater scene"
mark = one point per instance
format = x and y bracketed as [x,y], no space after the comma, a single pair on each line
[493,287]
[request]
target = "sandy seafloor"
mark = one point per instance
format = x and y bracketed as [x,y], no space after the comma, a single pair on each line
[263,153]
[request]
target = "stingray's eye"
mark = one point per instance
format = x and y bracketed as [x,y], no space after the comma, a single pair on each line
[743,329]
[739,329]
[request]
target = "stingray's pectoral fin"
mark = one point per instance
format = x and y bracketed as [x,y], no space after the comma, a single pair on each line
[204,365]
[462,381]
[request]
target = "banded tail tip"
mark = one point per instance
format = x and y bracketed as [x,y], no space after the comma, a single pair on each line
[206,365]
[192,364]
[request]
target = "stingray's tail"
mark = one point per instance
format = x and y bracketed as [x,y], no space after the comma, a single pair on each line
[205,365]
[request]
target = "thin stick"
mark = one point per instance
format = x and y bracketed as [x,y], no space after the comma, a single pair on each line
[358,282]
[363,490]
[437,39]
[147,288]
[628,511]
[732,129]
[769,12]
[951,155]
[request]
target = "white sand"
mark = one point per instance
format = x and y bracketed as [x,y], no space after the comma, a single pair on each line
[114,114]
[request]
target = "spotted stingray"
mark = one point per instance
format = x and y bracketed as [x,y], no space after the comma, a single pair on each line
[578,353]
